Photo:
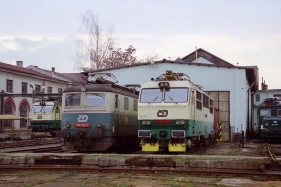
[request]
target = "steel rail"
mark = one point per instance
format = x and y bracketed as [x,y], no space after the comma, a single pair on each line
[268,149]
[197,172]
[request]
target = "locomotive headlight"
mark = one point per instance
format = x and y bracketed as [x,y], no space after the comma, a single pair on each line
[182,122]
[99,125]
[163,84]
[178,122]
[144,122]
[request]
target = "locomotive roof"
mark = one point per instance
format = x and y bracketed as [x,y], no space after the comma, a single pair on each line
[114,88]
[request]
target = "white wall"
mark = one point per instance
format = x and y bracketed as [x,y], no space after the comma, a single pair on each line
[211,78]
[17,89]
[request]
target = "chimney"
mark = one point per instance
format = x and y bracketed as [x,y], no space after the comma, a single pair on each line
[53,69]
[19,63]
[263,85]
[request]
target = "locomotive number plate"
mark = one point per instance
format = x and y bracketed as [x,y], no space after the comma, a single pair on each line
[82,125]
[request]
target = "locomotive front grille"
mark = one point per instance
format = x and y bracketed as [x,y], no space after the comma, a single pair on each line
[178,133]
[144,133]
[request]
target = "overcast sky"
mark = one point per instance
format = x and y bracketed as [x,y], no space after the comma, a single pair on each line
[248,32]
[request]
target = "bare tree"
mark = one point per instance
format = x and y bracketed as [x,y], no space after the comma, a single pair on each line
[148,58]
[96,49]
[93,45]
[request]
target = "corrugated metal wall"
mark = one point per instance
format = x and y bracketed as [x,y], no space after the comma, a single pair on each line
[222,103]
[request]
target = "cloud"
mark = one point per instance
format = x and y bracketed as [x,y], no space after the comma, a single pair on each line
[28,43]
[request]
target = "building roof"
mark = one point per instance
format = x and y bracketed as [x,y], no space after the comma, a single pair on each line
[19,70]
[76,77]
[69,77]
[190,58]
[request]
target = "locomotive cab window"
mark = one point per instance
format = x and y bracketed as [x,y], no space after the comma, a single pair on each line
[47,108]
[151,95]
[36,108]
[95,99]
[72,100]
[176,95]
[265,112]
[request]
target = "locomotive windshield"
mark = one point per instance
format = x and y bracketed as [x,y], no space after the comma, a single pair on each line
[36,108]
[151,95]
[176,95]
[39,108]
[265,112]
[72,100]
[171,95]
[47,108]
[95,99]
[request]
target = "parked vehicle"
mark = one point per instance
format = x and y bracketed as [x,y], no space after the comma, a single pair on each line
[174,114]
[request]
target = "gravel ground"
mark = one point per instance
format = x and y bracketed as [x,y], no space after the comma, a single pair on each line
[71,179]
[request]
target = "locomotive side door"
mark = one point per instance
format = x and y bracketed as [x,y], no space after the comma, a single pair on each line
[117,114]
[57,113]
[193,104]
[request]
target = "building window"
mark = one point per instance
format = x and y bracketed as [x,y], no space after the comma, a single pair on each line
[24,88]
[9,85]
[258,97]
[198,100]
[211,106]
[126,103]
[59,90]
[49,90]
[37,88]
[23,113]
[8,110]
[135,105]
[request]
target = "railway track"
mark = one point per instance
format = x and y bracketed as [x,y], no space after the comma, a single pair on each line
[32,146]
[202,172]
[274,151]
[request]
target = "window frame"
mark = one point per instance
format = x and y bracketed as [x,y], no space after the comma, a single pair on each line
[258,97]
[9,85]
[37,88]
[126,103]
[211,106]
[24,87]
[49,90]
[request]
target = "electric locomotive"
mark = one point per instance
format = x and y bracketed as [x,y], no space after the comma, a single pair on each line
[99,115]
[174,114]
[45,117]
[269,119]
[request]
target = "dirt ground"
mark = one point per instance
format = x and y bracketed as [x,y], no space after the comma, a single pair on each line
[71,179]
